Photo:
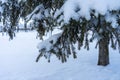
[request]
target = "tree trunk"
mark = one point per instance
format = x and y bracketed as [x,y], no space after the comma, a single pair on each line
[103,58]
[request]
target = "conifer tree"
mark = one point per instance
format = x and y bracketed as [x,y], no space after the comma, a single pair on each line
[77,31]
[47,15]
[10,16]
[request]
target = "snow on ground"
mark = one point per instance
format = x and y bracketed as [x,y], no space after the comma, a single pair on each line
[17,62]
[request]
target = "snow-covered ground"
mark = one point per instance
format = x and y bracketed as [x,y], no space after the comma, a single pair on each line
[17,62]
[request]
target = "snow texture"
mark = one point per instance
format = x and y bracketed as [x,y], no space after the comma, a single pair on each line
[50,42]
[3,1]
[84,6]
[17,62]
[1,10]
[36,14]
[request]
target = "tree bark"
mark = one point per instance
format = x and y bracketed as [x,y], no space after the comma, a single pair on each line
[103,58]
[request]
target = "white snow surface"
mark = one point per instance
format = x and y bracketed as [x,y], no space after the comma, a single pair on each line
[100,6]
[17,62]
